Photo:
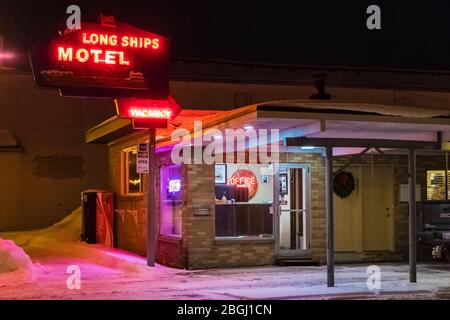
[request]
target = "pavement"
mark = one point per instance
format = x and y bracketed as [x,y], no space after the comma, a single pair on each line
[114,274]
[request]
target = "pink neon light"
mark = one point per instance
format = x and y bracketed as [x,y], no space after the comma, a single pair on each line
[6,55]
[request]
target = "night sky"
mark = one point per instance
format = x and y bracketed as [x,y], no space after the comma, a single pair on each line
[415,34]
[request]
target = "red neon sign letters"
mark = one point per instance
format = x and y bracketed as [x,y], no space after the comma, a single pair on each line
[110,57]
[95,55]
[111,60]
[144,109]
[149,113]
[122,41]
[245,178]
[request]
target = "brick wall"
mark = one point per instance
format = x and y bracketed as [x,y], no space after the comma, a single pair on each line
[198,247]
[204,251]
[131,210]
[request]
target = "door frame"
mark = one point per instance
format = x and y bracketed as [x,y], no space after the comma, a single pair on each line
[277,211]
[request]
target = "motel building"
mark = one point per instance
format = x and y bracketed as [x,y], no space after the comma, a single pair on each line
[239,212]
[345,150]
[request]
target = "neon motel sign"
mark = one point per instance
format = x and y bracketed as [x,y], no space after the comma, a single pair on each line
[108,48]
[105,60]
[111,60]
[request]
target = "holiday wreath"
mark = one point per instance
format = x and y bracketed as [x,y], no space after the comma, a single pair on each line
[344,184]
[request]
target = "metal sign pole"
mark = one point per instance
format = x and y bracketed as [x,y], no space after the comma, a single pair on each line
[151,198]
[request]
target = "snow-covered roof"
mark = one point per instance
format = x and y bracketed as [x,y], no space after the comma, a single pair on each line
[369,108]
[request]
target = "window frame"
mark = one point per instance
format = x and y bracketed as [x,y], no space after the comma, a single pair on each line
[125,174]
[161,207]
[428,186]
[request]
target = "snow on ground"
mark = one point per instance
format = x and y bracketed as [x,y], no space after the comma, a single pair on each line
[107,273]
[15,264]
[63,238]
[66,230]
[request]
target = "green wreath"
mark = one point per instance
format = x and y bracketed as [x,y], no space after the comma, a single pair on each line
[344,184]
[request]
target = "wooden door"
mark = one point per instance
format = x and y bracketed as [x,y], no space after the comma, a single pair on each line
[377,183]
[347,217]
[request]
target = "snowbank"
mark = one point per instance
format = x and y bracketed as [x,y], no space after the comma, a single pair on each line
[63,239]
[66,230]
[15,264]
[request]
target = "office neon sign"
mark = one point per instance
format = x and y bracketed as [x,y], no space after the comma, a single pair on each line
[245,178]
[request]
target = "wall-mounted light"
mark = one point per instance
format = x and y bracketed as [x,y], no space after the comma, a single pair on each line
[307,148]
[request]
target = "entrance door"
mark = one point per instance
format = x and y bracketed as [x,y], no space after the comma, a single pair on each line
[348,217]
[293,210]
[364,220]
[377,208]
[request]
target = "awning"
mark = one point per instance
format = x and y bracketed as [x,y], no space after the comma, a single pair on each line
[312,119]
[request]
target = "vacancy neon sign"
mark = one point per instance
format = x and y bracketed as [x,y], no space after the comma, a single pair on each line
[149,113]
[145,109]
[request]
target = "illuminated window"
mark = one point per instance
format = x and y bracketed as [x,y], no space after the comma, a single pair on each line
[171,200]
[131,180]
[436,184]
[243,198]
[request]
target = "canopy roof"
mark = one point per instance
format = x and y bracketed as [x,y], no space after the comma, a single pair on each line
[298,118]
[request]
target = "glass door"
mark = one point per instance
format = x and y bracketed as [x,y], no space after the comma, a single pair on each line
[292,216]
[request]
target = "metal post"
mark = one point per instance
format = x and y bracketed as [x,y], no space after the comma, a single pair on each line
[412,217]
[151,204]
[446,175]
[330,216]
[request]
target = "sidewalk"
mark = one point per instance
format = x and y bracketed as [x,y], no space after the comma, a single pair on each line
[114,274]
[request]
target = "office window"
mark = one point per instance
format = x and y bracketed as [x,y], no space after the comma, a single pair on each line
[131,180]
[436,184]
[243,198]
